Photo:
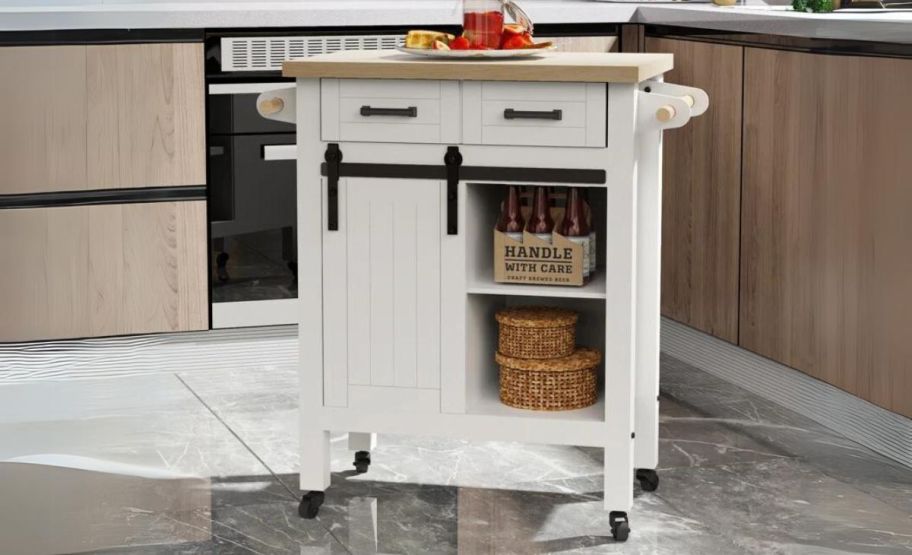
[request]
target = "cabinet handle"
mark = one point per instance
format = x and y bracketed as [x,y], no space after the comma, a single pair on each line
[410,112]
[555,115]
[279,152]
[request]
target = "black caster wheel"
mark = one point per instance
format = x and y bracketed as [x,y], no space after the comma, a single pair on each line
[648,478]
[310,504]
[620,526]
[221,263]
[362,461]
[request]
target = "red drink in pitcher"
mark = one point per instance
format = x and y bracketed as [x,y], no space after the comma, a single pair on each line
[483,23]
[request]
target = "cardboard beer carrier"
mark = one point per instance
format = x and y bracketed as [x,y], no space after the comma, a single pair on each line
[535,261]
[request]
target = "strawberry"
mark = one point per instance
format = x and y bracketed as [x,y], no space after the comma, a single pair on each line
[459,43]
[516,42]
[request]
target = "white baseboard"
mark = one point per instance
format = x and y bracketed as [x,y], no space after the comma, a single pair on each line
[878,429]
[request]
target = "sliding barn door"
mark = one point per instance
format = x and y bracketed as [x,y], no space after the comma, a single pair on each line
[381,291]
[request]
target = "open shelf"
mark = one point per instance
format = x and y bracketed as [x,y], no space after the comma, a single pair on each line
[487,403]
[483,203]
[595,289]
[482,372]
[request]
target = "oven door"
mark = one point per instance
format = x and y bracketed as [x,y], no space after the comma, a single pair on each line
[252,212]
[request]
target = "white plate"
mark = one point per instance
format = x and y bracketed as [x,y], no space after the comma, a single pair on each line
[474,54]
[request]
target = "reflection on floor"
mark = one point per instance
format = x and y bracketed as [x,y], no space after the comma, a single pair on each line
[204,461]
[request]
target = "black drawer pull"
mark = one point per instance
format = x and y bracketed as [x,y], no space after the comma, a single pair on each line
[410,112]
[555,115]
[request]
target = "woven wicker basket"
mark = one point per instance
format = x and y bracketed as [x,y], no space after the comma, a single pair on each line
[536,332]
[555,384]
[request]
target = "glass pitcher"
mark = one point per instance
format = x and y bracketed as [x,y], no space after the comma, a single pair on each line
[483,21]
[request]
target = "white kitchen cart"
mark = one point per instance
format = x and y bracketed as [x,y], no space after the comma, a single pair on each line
[401,167]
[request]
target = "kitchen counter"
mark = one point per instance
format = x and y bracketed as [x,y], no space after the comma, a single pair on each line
[883,27]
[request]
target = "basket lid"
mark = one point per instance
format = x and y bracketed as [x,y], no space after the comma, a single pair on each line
[581,358]
[536,317]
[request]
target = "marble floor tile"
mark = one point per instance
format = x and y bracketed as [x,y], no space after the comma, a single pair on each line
[149,421]
[713,402]
[786,506]
[214,452]
[382,517]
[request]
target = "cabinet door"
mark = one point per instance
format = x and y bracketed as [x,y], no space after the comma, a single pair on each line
[84,271]
[146,115]
[701,198]
[42,119]
[382,296]
[78,117]
[827,232]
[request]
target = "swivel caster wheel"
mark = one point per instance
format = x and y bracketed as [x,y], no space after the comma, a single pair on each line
[310,504]
[221,269]
[648,478]
[620,526]
[362,461]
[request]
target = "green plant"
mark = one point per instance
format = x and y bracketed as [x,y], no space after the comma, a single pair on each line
[812,6]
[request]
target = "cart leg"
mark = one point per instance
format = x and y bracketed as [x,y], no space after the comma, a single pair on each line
[360,441]
[315,476]
[362,444]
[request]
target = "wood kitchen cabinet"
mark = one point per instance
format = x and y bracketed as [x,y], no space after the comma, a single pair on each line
[79,123]
[146,115]
[701,199]
[82,271]
[83,117]
[827,234]
[42,119]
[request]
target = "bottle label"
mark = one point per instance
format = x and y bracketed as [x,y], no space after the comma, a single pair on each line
[516,236]
[593,256]
[584,242]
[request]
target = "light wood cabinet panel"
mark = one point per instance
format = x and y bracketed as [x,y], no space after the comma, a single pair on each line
[42,119]
[146,123]
[827,233]
[80,117]
[85,271]
[702,191]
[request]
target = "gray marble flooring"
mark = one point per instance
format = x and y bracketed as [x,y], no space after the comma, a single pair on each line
[203,461]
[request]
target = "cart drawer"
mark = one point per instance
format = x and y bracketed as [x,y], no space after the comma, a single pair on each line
[534,114]
[400,111]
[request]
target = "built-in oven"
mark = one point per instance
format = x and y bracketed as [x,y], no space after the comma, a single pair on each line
[251,173]
[252,214]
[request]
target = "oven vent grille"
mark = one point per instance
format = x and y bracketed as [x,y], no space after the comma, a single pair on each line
[268,53]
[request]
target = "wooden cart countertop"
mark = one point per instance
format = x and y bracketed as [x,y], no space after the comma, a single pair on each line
[579,67]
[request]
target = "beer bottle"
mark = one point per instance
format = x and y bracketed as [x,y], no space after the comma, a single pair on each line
[511,221]
[575,227]
[540,222]
[593,256]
